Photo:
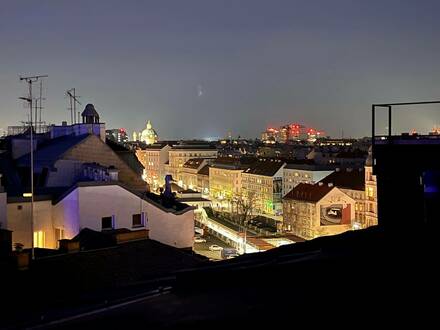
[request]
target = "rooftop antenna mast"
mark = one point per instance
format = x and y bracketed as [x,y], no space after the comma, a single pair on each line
[40,107]
[71,93]
[30,80]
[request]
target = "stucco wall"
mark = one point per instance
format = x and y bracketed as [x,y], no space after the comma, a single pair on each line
[171,229]
[104,201]
[335,196]
[65,173]
[19,221]
[66,213]
[85,207]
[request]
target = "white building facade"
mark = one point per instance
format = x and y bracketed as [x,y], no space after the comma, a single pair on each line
[98,206]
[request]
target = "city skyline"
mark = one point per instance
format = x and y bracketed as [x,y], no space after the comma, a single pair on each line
[237,67]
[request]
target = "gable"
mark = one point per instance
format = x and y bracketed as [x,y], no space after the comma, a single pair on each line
[92,149]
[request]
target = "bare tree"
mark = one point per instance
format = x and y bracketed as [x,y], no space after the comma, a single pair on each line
[244,205]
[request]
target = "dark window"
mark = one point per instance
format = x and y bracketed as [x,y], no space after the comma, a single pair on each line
[107,223]
[138,220]
[19,207]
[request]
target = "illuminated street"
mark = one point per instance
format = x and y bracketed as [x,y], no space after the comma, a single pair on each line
[203,248]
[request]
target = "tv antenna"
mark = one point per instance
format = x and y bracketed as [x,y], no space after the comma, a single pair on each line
[73,99]
[30,80]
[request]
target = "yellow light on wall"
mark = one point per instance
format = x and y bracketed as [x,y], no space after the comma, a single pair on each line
[27,195]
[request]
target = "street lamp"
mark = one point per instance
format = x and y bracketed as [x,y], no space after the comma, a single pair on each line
[29,99]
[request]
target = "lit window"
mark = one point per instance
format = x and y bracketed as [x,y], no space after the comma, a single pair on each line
[39,239]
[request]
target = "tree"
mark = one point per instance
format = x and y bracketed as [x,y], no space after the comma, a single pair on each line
[244,205]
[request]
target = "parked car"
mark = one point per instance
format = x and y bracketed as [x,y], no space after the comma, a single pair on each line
[215,247]
[199,230]
[232,256]
[199,240]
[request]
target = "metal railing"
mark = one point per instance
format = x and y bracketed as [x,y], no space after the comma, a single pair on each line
[389,107]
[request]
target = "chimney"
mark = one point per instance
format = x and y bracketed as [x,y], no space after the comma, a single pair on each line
[330,184]
[64,123]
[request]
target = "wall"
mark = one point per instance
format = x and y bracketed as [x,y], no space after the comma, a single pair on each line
[97,129]
[66,214]
[293,177]
[84,207]
[178,157]
[96,202]
[266,201]
[19,221]
[370,198]
[171,229]
[335,196]
[65,174]
[304,217]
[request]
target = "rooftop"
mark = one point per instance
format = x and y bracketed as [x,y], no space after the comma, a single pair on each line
[204,170]
[198,146]
[353,179]
[50,151]
[308,192]
[156,146]
[194,163]
[309,167]
[265,167]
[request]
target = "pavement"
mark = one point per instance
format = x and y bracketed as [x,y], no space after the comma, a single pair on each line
[203,248]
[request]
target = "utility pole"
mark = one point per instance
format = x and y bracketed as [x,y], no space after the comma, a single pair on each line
[31,80]
[73,98]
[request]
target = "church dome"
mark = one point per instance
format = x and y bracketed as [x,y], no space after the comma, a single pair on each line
[149,135]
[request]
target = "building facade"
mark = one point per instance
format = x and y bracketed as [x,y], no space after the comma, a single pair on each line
[181,153]
[224,182]
[203,180]
[370,194]
[294,174]
[154,157]
[63,217]
[188,172]
[311,211]
[351,182]
[262,181]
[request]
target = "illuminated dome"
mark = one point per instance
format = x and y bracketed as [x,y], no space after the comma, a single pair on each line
[149,135]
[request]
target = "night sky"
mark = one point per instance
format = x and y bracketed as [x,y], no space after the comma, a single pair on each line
[199,69]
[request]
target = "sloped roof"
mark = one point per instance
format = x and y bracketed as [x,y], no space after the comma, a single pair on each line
[49,152]
[193,163]
[353,179]
[308,192]
[352,154]
[265,167]
[204,170]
